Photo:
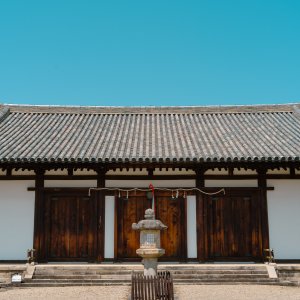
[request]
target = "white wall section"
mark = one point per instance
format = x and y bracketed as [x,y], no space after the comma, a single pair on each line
[70,183]
[191,227]
[145,183]
[16,219]
[109,226]
[284,220]
[231,183]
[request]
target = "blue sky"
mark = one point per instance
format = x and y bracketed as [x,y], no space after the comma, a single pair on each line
[154,52]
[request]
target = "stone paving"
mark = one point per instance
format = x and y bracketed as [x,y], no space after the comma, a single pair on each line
[184,292]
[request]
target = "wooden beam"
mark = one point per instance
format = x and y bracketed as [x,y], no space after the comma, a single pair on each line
[200,216]
[262,184]
[100,206]
[146,177]
[38,212]
[200,178]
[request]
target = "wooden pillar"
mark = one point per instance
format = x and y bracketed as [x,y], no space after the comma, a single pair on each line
[38,213]
[100,206]
[201,217]
[262,184]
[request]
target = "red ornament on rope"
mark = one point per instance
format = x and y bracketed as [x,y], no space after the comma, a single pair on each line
[151,187]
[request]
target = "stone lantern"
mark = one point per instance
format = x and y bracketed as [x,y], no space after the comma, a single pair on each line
[149,241]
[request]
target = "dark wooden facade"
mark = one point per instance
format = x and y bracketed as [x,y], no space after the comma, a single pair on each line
[233,226]
[170,211]
[230,226]
[69,225]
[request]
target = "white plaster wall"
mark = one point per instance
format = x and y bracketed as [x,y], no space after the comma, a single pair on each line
[129,172]
[145,183]
[284,218]
[109,226]
[16,219]
[70,183]
[57,172]
[278,172]
[164,171]
[157,171]
[191,227]
[20,172]
[84,172]
[231,183]
[244,172]
[216,172]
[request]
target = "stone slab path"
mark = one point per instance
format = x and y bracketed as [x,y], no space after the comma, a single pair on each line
[185,292]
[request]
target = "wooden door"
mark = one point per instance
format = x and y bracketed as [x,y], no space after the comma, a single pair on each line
[171,211]
[70,227]
[233,226]
[129,210]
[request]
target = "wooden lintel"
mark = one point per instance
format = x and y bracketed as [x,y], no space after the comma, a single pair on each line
[292,172]
[207,189]
[146,177]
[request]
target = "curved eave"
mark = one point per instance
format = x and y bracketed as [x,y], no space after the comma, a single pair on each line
[149,160]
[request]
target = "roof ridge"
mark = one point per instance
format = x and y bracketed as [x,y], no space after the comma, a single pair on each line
[4,112]
[296,110]
[290,107]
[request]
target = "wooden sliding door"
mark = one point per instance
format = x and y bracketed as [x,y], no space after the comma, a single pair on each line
[230,225]
[170,211]
[71,226]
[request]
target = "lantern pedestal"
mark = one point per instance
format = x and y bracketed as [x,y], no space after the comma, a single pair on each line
[149,249]
[149,261]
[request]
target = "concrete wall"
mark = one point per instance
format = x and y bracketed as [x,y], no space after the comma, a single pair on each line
[284,218]
[16,219]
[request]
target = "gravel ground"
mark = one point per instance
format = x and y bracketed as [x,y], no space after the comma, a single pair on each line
[59,293]
[184,292]
[237,292]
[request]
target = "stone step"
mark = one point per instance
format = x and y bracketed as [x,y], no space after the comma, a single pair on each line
[229,280]
[175,274]
[229,276]
[122,282]
[181,276]
[74,275]
[204,267]
[81,280]
[83,272]
[140,267]
[252,272]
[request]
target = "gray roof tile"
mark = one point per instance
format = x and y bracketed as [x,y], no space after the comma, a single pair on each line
[147,133]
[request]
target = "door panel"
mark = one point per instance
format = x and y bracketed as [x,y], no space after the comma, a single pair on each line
[233,225]
[130,211]
[70,227]
[170,212]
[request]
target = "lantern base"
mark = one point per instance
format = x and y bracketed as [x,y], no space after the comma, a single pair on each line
[150,266]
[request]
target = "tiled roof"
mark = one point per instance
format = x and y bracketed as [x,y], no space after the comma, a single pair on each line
[146,134]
